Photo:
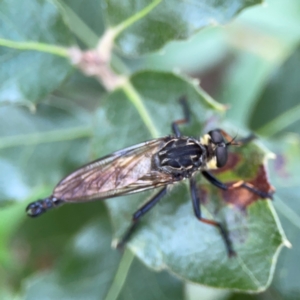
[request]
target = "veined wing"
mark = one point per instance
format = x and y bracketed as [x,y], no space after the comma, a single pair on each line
[126,171]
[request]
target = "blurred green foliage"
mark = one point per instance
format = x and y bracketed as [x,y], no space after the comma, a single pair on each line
[54,119]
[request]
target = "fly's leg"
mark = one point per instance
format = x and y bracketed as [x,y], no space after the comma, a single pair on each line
[186,119]
[250,187]
[197,211]
[216,182]
[138,214]
[213,180]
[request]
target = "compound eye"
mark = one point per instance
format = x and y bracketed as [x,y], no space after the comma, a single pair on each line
[216,136]
[221,155]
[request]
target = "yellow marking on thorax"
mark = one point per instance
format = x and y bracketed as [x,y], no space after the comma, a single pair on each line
[205,140]
[212,164]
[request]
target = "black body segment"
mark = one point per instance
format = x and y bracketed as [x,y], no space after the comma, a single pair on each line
[216,136]
[213,180]
[180,157]
[157,163]
[39,207]
[220,147]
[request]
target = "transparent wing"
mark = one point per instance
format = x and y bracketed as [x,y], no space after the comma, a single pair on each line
[129,170]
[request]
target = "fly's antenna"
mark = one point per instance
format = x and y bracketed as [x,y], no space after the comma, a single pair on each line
[243,141]
[233,142]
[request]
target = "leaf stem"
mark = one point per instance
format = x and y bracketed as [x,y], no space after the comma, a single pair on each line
[135,98]
[128,22]
[56,50]
[84,33]
[120,276]
[45,137]
[282,121]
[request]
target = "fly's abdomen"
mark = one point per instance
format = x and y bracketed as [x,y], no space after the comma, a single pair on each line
[39,207]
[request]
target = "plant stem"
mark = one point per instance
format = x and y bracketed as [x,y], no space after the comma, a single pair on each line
[135,98]
[45,137]
[120,276]
[84,33]
[56,50]
[142,13]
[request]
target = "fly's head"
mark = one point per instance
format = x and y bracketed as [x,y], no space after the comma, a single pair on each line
[217,149]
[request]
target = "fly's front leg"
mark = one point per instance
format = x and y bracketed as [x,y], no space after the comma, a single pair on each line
[138,214]
[250,187]
[197,211]
[216,182]
[186,119]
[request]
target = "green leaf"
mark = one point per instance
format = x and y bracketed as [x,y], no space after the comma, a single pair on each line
[35,154]
[35,148]
[84,19]
[195,291]
[154,285]
[90,13]
[170,236]
[284,173]
[5,294]
[248,69]
[284,84]
[10,220]
[28,76]
[160,99]
[243,81]
[285,168]
[167,20]
[88,266]
[206,49]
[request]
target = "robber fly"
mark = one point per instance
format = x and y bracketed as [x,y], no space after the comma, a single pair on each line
[157,163]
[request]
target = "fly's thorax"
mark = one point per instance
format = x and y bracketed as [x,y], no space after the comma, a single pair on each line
[180,157]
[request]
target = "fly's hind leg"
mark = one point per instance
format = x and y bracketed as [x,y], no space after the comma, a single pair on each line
[138,214]
[197,211]
[186,119]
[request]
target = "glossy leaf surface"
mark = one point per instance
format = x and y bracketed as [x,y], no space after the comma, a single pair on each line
[167,20]
[28,75]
